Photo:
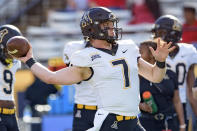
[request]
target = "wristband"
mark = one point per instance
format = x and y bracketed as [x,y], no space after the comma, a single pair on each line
[30,62]
[182,126]
[161,64]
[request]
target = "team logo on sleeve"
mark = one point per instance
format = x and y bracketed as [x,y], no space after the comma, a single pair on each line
[95,56]
[66,57]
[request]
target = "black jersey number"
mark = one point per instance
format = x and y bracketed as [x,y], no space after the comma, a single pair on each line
[8,78]
[181,73]
[125,71]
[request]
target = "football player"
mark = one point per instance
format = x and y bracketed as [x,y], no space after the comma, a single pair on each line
[8,68]
[169,112]
[111,67]
[181,60]
[85,101]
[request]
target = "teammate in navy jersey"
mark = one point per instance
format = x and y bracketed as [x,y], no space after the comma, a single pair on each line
[165,95]
[181,60]
[111,67]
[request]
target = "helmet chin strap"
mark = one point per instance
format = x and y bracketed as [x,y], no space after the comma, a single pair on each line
[110,41]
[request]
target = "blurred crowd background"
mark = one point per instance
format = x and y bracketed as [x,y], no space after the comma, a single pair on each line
[50,24]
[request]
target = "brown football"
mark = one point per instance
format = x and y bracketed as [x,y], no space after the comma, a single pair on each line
[18,46]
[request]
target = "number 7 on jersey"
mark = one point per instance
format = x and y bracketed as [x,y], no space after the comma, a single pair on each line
[125,71]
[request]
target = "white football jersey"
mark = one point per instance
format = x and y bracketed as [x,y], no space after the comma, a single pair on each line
[115,77]
[180,64]
[83,92]
[7,80]
[70,48]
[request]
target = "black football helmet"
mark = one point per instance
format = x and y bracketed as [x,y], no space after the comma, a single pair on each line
[169,28]
[90,24]
[6,32]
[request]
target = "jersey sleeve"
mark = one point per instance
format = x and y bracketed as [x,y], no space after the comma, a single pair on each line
[138,52]
[81,59]
[70,48]
[136,48]
[66,54]
[132,45]
[17,64]
[192,56]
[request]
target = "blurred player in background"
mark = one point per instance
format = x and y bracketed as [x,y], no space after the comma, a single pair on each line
[8,68]
[111,67]
[181,60]
[85,101]
[190,25]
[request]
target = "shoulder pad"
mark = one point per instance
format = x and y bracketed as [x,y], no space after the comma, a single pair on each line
[126,42]
[81,58]
[70,48]
[17,63]
[187,48]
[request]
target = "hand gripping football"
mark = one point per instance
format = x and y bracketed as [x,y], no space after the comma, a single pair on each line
[18,46]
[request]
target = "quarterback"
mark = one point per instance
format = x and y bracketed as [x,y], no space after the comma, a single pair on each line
[85,101]
[111,67]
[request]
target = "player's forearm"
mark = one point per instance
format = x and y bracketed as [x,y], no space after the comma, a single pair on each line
[193,103]
[151,72]
[65,76]
[194,106]
[179,110]
[42,72]
[191,99]
[190,83]
[158,74]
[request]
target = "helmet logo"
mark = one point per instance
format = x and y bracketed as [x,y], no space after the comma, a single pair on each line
[2,34]
[87,20]
[83,24]
[157,25]
[112,16]
[176,26]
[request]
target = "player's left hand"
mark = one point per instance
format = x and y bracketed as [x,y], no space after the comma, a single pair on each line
[145,107]
[162,51]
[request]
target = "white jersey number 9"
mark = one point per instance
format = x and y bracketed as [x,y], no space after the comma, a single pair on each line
[8,78]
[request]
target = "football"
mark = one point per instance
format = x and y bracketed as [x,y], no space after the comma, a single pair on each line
[18,46]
